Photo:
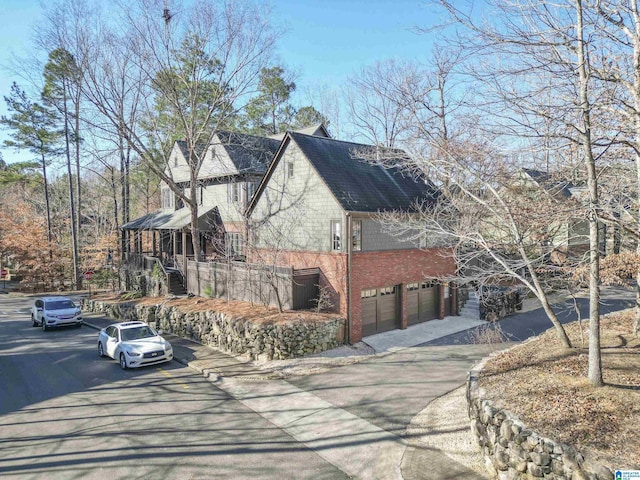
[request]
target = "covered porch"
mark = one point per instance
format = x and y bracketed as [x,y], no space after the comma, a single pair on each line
[164,237]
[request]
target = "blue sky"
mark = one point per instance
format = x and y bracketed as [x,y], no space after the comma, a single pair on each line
[325,42]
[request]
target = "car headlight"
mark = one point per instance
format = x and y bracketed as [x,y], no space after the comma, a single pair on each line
[133,353]
[167,347]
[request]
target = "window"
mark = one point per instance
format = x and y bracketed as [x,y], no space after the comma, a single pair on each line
[289,169]
[356,235]
[428,284]
[251,190]
[336,235]
[411,287]
[175,160]
[387,291]
[233,242]
[370,293]
[167,198]
[234,192]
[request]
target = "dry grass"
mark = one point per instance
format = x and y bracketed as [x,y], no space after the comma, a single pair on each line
[545,385]
[245,310]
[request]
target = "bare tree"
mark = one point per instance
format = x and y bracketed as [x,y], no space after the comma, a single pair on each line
[185,72]
[621,68]
[536,67]
[373,105]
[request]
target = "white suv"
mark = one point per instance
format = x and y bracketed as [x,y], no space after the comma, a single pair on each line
[55,312]
[133,344]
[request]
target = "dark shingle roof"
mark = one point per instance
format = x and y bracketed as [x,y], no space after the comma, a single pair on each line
[359,185]
[182,144]
[543,179]
[248,153]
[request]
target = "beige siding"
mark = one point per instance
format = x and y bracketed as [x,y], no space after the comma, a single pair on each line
[295,212]
[217,162]
[178,168]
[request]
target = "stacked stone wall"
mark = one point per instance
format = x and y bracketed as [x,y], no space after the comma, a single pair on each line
[513,451]
[235,335]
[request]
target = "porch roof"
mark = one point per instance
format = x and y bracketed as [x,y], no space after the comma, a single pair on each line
[166,220]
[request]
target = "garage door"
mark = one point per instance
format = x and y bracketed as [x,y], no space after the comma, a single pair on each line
[379,310]
[421,302]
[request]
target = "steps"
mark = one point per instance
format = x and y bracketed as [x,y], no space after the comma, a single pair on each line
[471,308]
[175,286]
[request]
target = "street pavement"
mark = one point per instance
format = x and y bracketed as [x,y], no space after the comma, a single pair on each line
[357,416]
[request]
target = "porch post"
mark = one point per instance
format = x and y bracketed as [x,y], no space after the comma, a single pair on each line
[154,249]
[174,242]
[184,249]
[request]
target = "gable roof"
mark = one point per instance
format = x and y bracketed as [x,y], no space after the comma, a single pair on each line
[357,184]
[318,130]
[249,153]
[554,187]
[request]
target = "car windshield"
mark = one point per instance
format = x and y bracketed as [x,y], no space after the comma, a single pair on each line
[136,333]
[59,305]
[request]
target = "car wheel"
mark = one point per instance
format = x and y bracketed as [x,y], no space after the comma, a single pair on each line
[100,349]
[123,362]
[44,325]
[33,321]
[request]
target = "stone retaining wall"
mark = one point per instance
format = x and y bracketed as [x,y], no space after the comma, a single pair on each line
[513,451]
[231,334]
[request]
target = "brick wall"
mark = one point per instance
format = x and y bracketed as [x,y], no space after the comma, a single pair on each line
[397,267]
[368,270]
[332,264]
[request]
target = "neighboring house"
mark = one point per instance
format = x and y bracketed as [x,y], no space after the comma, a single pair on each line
[318,206]
[314,215]
[572,237]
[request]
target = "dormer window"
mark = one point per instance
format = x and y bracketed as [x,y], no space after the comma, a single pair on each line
[289,169]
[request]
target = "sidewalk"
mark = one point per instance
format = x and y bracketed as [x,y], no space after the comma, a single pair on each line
[356,446]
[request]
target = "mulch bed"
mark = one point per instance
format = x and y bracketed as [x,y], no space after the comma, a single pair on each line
[546,385]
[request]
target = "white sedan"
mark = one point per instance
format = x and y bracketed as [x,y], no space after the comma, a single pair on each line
[133,344]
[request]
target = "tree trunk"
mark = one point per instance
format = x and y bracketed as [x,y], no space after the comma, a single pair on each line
[77,159]
[77,282]
[595,360]
[47,206]
[540,293]
[636,95]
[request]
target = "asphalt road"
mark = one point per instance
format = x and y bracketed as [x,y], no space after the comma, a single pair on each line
[522,325]
[66,413]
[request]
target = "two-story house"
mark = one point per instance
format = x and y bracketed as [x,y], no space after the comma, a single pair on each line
[310,203]
[319,205]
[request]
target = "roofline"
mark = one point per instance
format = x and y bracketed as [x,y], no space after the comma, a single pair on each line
[267,175]
[324,129]
[276,158]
